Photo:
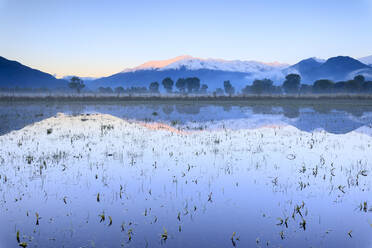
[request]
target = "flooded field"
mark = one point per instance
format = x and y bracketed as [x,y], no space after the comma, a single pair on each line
[334,116]
[186,174]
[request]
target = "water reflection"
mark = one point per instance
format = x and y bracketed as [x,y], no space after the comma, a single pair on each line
[340,117]
[96,181]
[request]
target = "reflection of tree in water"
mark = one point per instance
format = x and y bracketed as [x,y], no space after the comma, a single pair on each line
[323,108]
[153,107]
[227,107]
[168,109]
[188,108]
[17,115]
[77,108]
[354,110]
[262,109]
[291,111]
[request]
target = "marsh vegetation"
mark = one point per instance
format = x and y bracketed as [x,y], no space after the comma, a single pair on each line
[194,176]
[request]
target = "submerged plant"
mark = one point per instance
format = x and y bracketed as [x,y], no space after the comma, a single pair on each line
[164,236]
[234,239]
[210,197]
[23,244]
[102,217]
[37,218]
[130,231]
[303,224]
[341,188]
[281,222]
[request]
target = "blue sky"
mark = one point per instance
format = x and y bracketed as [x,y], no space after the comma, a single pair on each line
[97,38]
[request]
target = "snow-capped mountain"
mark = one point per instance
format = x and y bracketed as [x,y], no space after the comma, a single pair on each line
[223,65]
[156,64]
[241,73]
[192,63]
[319,60]
[366,60]
[211,71]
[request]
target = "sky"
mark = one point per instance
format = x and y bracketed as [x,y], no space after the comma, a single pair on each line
[99,38]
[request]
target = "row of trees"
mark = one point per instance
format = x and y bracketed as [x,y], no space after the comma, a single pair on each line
[183,85]
[121,90]
[291,85]
[189,85]
[26,90]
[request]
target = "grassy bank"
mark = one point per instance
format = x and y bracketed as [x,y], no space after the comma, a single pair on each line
[175,98]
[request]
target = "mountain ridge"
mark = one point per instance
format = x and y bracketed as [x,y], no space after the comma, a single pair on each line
[210,71]
[195,63]
[335,68]
[366,60]
[213,72]
[14,74]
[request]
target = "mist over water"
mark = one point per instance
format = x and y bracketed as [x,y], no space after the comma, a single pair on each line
[331,116]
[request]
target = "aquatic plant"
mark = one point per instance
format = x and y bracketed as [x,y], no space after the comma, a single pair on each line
[164,235]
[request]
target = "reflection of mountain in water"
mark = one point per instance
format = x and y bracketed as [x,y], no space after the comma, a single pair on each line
[333,122]
[188,109]
[333,118]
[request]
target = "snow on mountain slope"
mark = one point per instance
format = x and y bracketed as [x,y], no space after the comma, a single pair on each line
[223,65]
[157,64]
[319,60]
[366,60]
[193,63]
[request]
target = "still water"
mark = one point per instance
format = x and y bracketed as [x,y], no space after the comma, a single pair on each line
[338,116]
[201,175]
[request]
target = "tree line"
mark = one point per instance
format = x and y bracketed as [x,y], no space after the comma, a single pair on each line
[184,85]
[292,85]
[192,85]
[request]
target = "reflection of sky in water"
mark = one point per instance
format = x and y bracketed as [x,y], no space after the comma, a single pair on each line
[253,179]
[332,118]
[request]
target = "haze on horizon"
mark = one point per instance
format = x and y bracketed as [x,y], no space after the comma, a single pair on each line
[95,38]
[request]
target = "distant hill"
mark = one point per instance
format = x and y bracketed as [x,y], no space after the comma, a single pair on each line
[14,74]
[305,68]
[335,68]
[366,60]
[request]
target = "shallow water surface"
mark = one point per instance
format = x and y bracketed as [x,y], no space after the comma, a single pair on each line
[236,176]
[338,116]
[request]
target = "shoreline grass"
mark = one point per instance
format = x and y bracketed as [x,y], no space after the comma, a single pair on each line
[175,98]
